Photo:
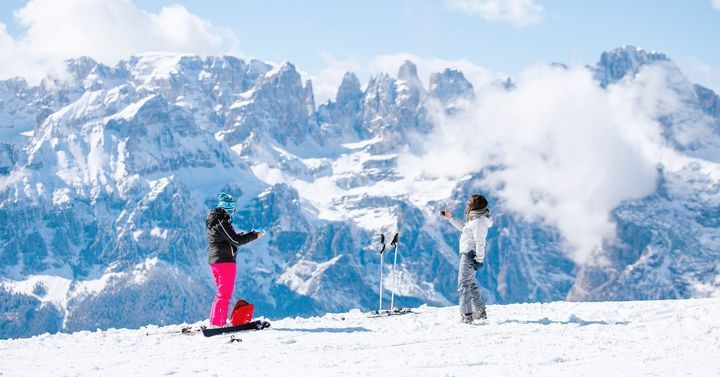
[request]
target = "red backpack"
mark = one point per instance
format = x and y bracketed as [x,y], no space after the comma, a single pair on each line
[242,313]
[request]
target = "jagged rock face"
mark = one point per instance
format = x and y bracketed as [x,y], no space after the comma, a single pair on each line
[392,106]
[450,85]
[344,117]
[207,87]
[621,62]
[667,243]
[107,197]
[378,102]
[409,88]
[17,113]
[349,90]
[389,108]
[277,106]
[709,101]
[8,158]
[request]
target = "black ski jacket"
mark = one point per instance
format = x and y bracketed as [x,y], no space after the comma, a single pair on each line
[222,239]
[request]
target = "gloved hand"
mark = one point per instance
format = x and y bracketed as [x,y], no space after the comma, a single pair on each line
[259,233]
[477,264]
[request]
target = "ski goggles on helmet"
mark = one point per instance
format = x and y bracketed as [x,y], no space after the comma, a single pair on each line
[227,202]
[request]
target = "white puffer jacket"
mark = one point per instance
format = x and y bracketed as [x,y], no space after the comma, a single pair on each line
[474,232]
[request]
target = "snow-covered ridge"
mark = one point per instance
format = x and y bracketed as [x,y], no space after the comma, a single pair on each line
[120,164]
[650,338]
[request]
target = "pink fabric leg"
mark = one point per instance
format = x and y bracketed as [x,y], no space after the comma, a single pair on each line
[224,274]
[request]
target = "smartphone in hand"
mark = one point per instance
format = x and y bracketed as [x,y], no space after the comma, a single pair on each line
[442,213]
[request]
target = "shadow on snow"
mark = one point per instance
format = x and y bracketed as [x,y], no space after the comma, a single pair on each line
[326,329]
[572,320]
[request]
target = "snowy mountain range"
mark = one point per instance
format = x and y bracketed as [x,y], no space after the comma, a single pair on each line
[106,175]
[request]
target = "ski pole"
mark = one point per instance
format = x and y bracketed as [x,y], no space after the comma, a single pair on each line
[392,297]
[382,242]
[184,330]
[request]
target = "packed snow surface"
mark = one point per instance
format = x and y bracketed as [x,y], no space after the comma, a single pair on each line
[649,338]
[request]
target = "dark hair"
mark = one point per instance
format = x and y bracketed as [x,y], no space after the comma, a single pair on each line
[476,202]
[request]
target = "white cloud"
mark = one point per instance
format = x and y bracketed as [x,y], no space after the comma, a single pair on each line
[716,4]
[106,30]
[569,151]
[517,12]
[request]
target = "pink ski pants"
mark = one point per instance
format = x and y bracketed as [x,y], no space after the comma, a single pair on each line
[224,274]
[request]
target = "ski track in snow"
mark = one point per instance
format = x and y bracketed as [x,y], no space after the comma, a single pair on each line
[650,338]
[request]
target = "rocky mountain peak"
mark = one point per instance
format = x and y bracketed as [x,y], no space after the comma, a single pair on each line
[309,97]
[626,60]
[408,71]
[450,84]
[79,68]
[349,88]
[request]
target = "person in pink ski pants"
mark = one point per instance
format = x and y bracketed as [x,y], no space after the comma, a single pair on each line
[223,242]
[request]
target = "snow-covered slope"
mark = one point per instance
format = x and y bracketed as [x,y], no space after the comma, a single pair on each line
[650,338]
[106,176]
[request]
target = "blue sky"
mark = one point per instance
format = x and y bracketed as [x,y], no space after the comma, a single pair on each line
[307,33]
[568,30]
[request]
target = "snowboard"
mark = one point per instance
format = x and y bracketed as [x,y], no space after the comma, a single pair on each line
[254,325]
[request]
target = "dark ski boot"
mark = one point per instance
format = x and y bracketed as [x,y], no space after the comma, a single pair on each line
[466,318]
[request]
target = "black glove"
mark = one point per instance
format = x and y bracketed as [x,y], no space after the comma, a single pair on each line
[477,265]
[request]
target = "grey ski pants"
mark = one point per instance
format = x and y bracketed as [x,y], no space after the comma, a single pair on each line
[470,297]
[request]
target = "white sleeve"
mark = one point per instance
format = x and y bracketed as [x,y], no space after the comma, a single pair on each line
[479,230]
[457,223]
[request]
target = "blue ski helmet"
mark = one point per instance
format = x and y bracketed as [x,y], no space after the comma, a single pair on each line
[227,202]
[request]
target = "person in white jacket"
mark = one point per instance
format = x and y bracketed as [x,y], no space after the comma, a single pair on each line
[472,255]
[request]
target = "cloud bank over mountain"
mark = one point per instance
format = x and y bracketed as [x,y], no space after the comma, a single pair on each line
[558,147]
[106,30]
